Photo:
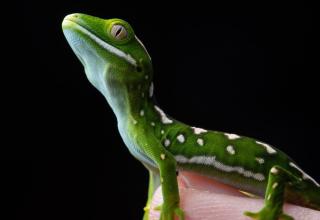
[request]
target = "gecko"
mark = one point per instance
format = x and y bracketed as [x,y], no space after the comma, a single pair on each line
[117,64]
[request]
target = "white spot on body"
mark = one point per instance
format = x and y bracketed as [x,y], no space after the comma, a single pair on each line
[200,141]
[181,159]
[269,149]
[153,124]
[259,160]
[164,118]
[269,197]
[181,138]
[142,95]
[142,113]
[163,156]
[211,161]
[134,122]
[166,142]
[304,175]
[274,170]
[151,90]
[247,173]
[146,77]
[162,131]
[199,130]
[274,185]
[232,136]
[230,149]
[258,176]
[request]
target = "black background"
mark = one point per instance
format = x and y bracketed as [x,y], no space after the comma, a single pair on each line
[247,69]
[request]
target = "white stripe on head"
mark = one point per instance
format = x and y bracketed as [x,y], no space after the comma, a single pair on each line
[107,46]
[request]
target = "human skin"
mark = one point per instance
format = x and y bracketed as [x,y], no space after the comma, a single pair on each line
[205,199]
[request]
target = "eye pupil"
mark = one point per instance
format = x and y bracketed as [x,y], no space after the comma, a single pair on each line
[118,32]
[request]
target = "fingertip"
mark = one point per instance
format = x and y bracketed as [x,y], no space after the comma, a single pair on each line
[202,183]
[200,205]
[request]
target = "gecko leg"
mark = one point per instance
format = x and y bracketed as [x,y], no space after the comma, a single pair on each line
[278,180]
[154,182]
[166,164]
[170,207]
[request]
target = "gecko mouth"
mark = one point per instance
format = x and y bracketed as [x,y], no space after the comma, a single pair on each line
[76,42]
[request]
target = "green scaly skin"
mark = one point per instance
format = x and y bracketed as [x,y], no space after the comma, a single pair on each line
[119,66]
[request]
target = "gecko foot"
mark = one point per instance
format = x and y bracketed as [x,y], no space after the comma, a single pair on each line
[265,214]
[170,214]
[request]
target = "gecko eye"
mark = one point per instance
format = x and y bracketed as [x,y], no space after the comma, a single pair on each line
[118,32]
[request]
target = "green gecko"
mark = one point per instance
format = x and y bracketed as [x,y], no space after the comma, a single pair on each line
[119,66]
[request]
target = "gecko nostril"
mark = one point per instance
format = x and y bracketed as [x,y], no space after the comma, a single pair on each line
[76,15]
[72,17]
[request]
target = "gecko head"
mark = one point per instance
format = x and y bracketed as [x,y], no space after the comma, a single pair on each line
[109,50]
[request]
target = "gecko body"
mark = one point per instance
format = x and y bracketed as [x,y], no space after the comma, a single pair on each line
[119,66]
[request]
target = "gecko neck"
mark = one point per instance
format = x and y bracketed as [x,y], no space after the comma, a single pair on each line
[132,103]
